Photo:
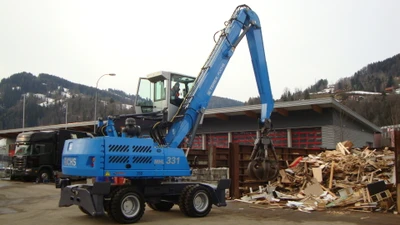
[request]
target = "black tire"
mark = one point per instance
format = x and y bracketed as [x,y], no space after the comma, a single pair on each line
[198,201]
[182,199]
[107,203]
[84,211]
[151,206]
[161,206]
[124,199]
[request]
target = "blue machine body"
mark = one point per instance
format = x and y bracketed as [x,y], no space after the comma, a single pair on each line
[134,157]
[144,158]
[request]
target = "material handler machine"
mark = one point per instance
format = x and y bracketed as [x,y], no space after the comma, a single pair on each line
[151,165]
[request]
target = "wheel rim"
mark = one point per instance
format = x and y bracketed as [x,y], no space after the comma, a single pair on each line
[130,206]
[44,175]
[200,201]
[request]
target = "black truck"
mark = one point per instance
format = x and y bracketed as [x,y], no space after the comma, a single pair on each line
[38,153]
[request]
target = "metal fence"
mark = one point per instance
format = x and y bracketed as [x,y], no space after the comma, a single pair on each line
[236,158]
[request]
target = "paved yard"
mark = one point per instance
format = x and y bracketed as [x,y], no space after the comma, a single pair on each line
[37,204]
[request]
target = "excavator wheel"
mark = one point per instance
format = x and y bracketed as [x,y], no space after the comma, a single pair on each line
[127,205]
[107,199]
[182,199]
[198,201]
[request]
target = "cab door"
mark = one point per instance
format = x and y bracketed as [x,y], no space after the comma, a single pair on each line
[144,97]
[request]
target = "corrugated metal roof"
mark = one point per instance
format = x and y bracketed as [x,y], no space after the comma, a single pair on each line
[286,105]
[296,105]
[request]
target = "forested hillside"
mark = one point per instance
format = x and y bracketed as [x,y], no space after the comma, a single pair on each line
[53,100]
[48,97]
[374,77]
[373,92]
[382,77]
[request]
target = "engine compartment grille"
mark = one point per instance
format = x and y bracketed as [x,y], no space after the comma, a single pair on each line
[142,159]
[118,148]
[141,149]
[118,159]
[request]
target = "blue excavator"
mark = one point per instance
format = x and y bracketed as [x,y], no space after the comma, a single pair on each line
[150,159]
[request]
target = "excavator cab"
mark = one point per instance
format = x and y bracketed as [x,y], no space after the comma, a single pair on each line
[162,91]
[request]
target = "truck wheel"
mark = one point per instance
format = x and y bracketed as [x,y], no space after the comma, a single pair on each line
[198,201]
[84,210]
[127,205]
[161,206]
[44,175]
[182,199]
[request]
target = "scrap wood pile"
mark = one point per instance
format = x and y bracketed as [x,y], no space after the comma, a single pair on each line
[350,178]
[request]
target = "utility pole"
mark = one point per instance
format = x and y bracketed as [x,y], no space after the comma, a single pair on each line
[66,114]
[23,114]
[95,100]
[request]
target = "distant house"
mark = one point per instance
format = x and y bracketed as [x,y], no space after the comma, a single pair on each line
[359,95]
[389,90]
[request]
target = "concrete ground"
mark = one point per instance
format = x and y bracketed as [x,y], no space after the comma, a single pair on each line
[29,203]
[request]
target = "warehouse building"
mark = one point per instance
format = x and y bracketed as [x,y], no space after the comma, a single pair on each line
[316,123]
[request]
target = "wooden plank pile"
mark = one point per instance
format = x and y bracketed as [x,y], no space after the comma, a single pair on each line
[349,178]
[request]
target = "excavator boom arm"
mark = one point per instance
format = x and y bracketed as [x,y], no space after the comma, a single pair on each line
[244,22]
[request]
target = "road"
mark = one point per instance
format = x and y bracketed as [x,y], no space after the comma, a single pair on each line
[29,203]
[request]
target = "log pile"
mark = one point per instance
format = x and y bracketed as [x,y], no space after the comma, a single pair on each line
[349,178]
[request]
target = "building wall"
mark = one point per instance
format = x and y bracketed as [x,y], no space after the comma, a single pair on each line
[346,128]
[236,123]
[328,137]
[331,125]
[358,138]
[302,118]
[331,135]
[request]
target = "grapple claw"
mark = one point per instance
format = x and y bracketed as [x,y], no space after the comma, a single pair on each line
[261,169]
[261,166]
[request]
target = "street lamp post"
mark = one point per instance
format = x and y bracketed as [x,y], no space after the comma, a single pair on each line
[95,100]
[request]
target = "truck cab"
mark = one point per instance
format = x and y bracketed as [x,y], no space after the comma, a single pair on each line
[38,153]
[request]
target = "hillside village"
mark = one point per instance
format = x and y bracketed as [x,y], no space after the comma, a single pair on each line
[352,95]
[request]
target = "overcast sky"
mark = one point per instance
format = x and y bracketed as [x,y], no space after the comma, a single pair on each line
[80,40]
